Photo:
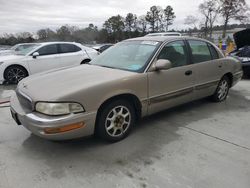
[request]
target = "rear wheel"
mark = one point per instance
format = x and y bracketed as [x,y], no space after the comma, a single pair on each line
[116,120]
[15,74]
[222,90]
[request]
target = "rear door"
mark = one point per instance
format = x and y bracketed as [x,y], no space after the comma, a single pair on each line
[70,55]
[174,86]
[207,67]
[47,59]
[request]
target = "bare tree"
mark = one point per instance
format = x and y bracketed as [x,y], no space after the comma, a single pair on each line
[46,34]
[191,21]
[210,10]
[232,9]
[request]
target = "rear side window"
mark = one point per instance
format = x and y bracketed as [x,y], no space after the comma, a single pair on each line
[69,48]
[200,51]
[48,50]
[213,51]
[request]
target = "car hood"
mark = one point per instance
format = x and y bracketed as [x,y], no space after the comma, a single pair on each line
[10,57]
[56,85]
[242,38]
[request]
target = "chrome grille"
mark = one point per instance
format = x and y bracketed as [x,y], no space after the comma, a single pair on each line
[24,100]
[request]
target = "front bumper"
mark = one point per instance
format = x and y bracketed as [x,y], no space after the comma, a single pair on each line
[36,122]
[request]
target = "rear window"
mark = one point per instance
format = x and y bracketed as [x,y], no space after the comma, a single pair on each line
[200,51]
[69,48]
[214,52]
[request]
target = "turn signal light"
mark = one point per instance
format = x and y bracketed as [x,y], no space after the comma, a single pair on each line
[64,128]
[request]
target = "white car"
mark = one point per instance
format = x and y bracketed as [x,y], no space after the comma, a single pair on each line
[169,34]
[42,57]
[16,48]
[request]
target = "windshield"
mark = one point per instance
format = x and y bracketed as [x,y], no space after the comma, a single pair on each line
[25,49]
[129,55]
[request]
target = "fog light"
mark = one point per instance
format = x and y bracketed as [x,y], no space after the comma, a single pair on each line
[64,128]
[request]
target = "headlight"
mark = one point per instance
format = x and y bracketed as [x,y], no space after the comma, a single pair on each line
[56,109]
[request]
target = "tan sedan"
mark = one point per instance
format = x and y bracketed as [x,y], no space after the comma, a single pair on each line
[133,79]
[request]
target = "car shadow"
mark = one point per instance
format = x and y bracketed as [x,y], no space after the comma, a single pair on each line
[142,147]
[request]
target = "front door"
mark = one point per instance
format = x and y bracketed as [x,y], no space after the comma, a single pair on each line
[47,59]
[174,86]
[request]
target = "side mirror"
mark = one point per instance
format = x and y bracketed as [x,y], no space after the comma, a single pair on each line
[35,54]
[162,64]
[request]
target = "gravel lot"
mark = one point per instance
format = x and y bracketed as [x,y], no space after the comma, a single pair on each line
[200,144]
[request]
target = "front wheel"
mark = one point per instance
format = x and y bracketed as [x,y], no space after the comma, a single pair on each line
[15,74]
[116,120]
[222,90]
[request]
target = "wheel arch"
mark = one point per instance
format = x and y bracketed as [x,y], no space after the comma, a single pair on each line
[87,60]
[133,99]
[230,76]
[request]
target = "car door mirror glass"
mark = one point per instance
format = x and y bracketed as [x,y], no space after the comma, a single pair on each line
[35,54]
[162,64]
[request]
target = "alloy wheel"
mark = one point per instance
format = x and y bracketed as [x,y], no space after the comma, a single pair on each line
[223,90]
[118,121]
[15,74]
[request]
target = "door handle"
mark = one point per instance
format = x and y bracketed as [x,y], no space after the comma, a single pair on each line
[188,73]
[220,66]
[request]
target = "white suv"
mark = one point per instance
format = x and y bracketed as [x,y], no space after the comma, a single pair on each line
[41,57]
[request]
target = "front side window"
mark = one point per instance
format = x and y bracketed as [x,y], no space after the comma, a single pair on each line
[48,50]
[200,51]
[175,52]
[69,48]
[129,55]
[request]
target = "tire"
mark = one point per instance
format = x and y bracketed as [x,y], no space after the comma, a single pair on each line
[116,120]
[222,90]
[15,74]
[86,61]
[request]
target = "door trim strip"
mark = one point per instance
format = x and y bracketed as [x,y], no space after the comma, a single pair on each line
[179,93]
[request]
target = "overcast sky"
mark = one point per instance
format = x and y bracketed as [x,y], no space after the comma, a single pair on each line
[31,15]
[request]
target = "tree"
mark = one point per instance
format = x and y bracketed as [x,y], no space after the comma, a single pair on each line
[142,24]
[232,9]
[115,26]
[130,23]
[209,9]
[153,18]
[64,33]
[169,16]
[191,21]
[46,34]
